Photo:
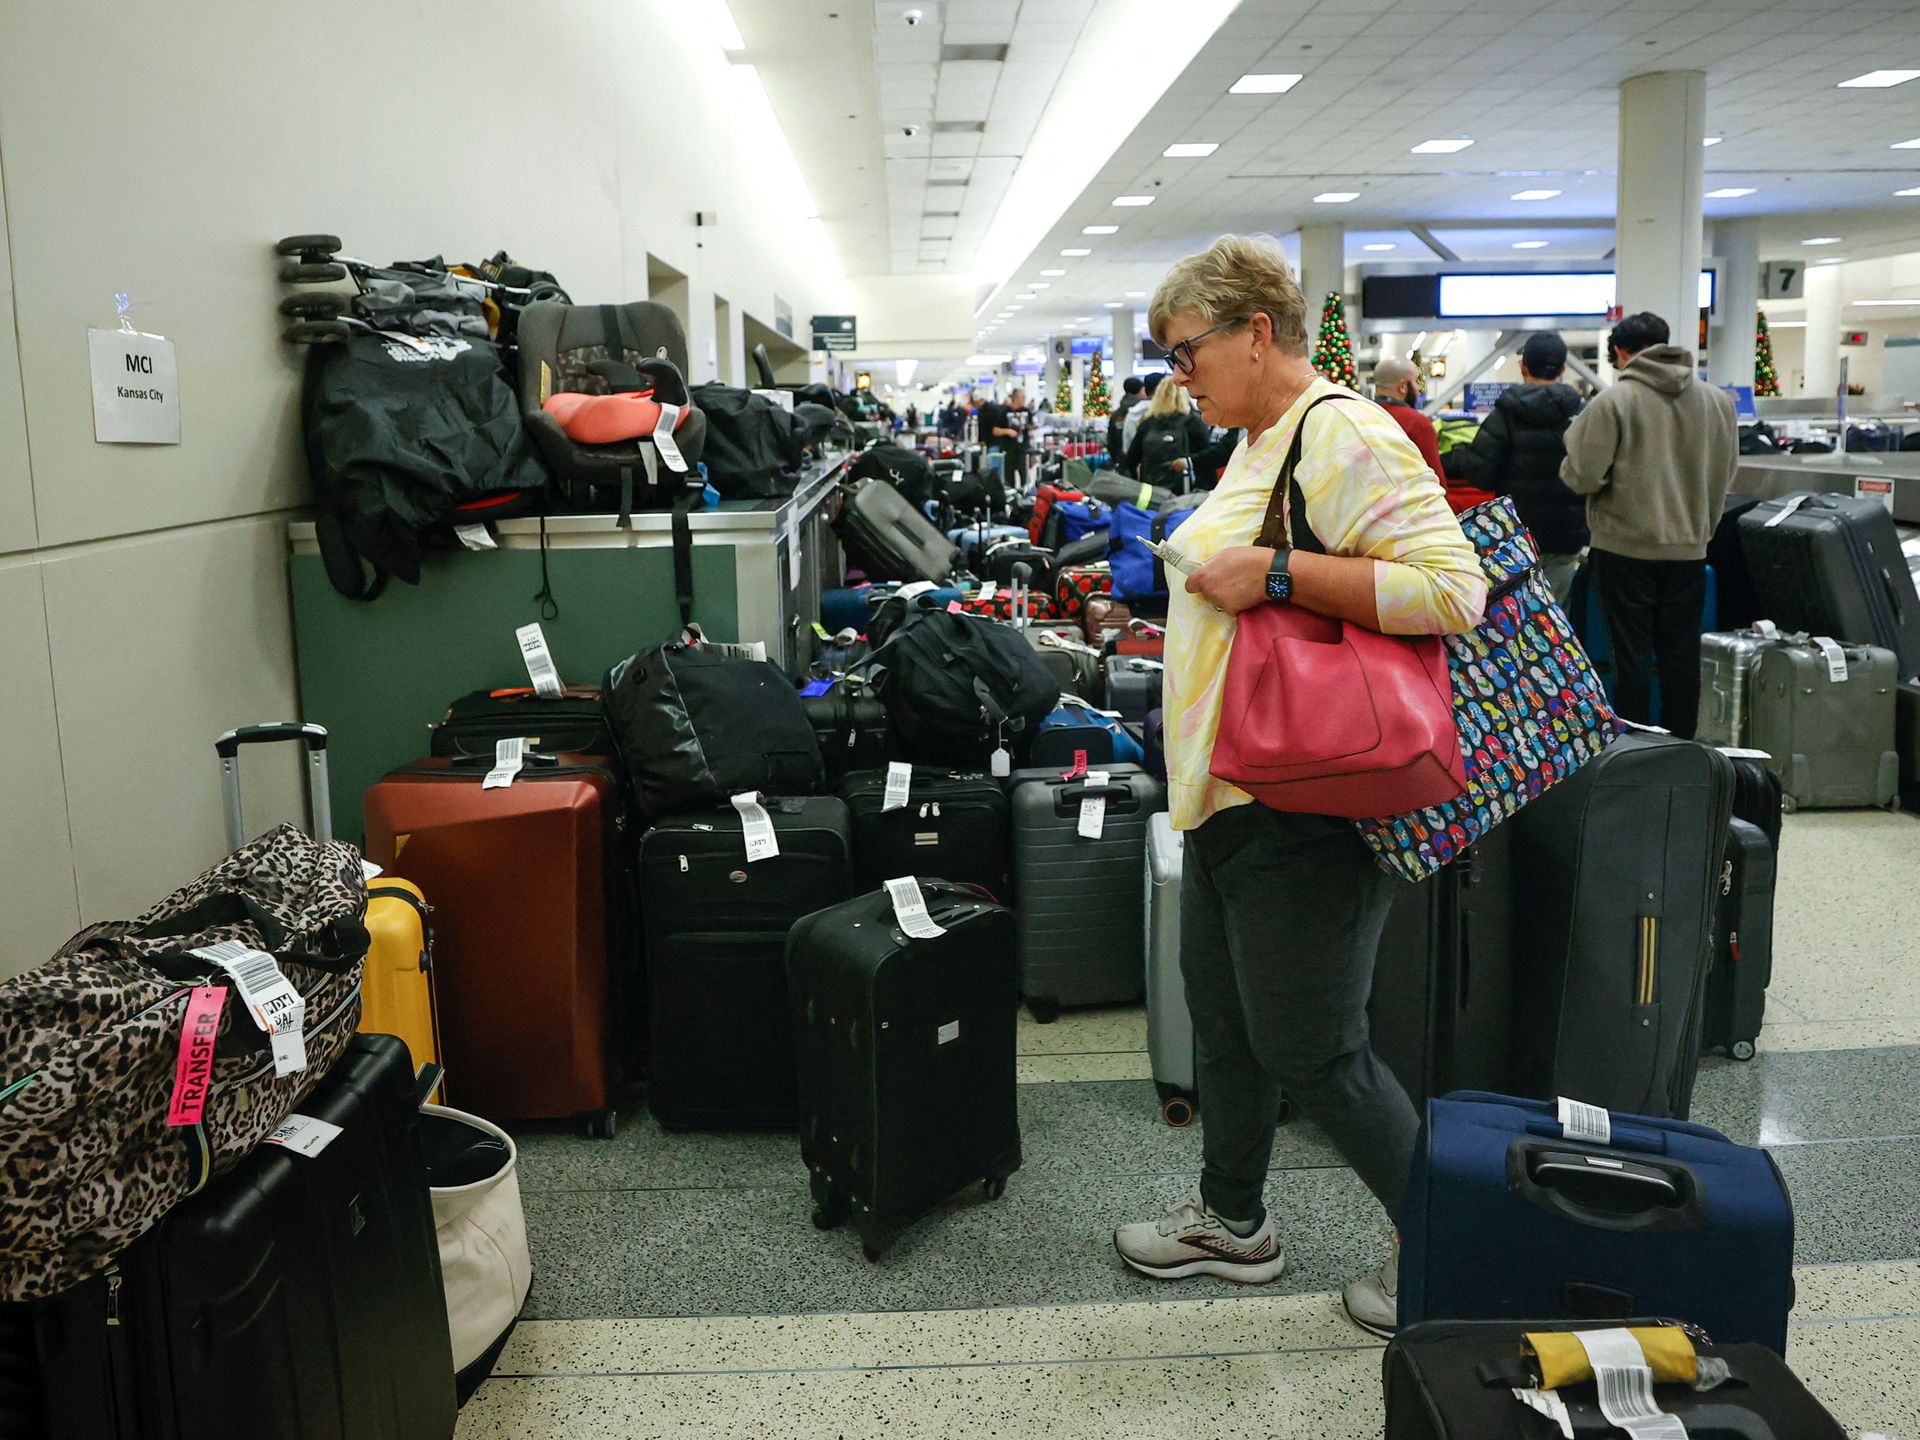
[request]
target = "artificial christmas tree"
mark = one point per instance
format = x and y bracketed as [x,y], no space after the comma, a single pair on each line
[1333,353]
[1766,380]
[1063,392]
[1096,407]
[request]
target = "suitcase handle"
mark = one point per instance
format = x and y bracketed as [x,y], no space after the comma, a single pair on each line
[1591,1188]
[1709,1422]
[313,737]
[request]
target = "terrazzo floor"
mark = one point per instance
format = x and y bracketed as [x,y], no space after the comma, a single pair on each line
[680,1290]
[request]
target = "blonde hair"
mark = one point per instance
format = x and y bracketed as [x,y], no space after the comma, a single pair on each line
[1234,279]
[1169,398]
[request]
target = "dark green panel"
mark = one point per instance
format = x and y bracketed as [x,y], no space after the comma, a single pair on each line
[377,675]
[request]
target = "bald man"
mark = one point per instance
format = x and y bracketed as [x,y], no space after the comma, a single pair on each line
[1396,385]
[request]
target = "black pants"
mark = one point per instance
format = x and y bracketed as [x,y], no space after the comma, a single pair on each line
[1015,464]
[1652,609]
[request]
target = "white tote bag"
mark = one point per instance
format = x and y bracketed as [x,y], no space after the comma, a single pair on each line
[483,1249]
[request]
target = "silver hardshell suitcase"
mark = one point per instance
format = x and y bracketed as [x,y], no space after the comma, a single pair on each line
[1726,660]
[1169,1024]
[1824,713]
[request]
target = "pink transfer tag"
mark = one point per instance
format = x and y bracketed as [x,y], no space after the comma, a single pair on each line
[193,1073]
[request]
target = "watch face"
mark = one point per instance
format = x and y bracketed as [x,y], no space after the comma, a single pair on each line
[1279,585]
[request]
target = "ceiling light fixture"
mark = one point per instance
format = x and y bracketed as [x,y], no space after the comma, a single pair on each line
[1824,240]
[1053,272]
[1534,194]
[1914,191]
[1713,140]
[1832,260]
[1039,284]
[1189,150]
[1133,200]
[1879,80]
[1116,304]
[1380,247]
[1335,197]
[1082,250]
[1731,192]
[1530,244]
[1264,84]
[1136,294]
[1441,147]
[1905,145]
[1098,229]
[1914,301]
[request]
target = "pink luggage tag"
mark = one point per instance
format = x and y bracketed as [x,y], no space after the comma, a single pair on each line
[193,1071]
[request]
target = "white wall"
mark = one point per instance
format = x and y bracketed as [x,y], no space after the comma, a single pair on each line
[160,150]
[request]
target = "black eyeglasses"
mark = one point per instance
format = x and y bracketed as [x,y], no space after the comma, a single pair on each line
[1180,356]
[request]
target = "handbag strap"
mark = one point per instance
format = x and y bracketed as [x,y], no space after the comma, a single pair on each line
[1275,530]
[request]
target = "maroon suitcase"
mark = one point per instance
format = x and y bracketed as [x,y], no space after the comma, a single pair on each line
[535,940]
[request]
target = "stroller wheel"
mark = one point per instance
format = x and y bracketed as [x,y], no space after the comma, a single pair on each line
[314,304]
[307,245]
[300,272]
[316,332]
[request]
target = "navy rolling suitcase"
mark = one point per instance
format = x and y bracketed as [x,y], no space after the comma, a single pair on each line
[1506,1217]
[1831,565]
[298,1296]
[1455,1380]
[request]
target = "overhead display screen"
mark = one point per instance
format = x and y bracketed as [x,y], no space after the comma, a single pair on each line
[1465,297]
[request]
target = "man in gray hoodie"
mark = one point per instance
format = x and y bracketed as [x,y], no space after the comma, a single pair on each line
[1655,455]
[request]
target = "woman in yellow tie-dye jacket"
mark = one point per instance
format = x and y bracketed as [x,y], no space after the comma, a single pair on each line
[1281,913]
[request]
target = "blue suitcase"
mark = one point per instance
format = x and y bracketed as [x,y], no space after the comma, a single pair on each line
[851,607]
[975,540]
[1075,730]
[1505,1219]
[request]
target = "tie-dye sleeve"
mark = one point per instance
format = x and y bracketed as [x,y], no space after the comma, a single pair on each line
[1369,493]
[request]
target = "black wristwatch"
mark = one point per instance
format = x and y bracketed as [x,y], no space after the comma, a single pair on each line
[1279,577]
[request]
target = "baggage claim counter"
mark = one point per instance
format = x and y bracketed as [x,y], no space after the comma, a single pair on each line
[1767,477]
[378,673]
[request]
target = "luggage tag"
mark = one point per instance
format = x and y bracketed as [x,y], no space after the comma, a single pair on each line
[664,442]
[1836,658]
[276,1007]
[757,825]
[988,589]
[1766,629]
[1580,1121]
[899,782]
[304,1134]
[1093,809]
[910,909]
[193,1071]
[475,537]
[508,757]
[917,587]
[1001,765]
[1785,510]
[1549,1404]
[1624,1382]
[540,668]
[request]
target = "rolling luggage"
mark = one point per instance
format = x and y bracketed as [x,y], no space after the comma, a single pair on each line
[1739,606]
[297,1296]
[1726,664]
[1077,885]
[887,539]
[1104,616]
[1620,866]
[1169,1022]
[1080,736]
[974,541]
[851,725]
[1831,565]
[1825,713]
[1133,685]
[576,722]
[1074,585]
[1510,1212]
[952,826]
[716,925]
[1757,796]
[536,961]
[1736,1001]
[1458,1380]
[906,1055]
[1906,715]
[1441,1009]
[1001,558]
[1074,664]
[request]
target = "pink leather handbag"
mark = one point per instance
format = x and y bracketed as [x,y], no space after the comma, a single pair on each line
[1327,717]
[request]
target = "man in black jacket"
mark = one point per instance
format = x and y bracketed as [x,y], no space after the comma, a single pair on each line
[1518,452]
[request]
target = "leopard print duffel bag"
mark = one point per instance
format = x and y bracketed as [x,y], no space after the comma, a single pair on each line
[123,1089]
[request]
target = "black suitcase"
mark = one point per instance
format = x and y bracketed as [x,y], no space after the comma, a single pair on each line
[1831,565]
[953,827]
[1001,558]
[1736,606]
[1736,1001]
[716,926]
[1441,1008]
[1619,866]
[907,1054]
[888,539]
[1758,796]
[1906,723]
[298,1296]
[1133,685]
[575,723]
[1082,902]
[851,726]
[1455,1380]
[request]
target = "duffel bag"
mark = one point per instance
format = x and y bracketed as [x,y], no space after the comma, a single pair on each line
[138,1069]
[694,727]
[753,446]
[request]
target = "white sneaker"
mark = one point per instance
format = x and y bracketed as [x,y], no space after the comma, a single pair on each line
[1373,1301]
[1191,1240]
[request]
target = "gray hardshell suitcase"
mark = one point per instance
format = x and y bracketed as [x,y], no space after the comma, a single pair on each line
[888,539]
[1726,660]
[1079,902]
[1133,685]
[1169,1024]
[1831,565]
[1828,730]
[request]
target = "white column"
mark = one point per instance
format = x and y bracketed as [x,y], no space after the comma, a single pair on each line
[1663,122]
[1049,372]
[1821,370]
[1122,351]
[1737,243]
[1323,267]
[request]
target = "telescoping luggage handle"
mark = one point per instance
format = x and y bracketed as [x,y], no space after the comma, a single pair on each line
[314,737]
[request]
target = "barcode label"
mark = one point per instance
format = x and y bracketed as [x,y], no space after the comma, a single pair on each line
[540,667]
[508,757]
[251,969]
[899,783]
[1580,1121]
[757,826]
[1624,1381]
[664,442]
[1093,817]
[910,909]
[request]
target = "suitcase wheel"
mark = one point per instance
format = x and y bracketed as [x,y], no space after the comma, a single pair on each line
[872,1251]
[1741,1049]
[1044,1009]
[603,1126]
[994,1186]
[1178,1111]
[299,272]
[304,245]
[1286,1109]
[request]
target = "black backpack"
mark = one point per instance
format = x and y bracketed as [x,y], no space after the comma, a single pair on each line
[907,471]
[695,727]
[753,444]
[1163,440]
[955,686]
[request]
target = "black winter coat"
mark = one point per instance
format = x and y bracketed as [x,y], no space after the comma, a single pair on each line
[1518,452]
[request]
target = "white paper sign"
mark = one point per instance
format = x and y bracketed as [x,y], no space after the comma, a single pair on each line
[1580,1121]
[758,825]
[136,388]
[899,783]
[304,1134]
[540,667]
[910,909]
[1871,487]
